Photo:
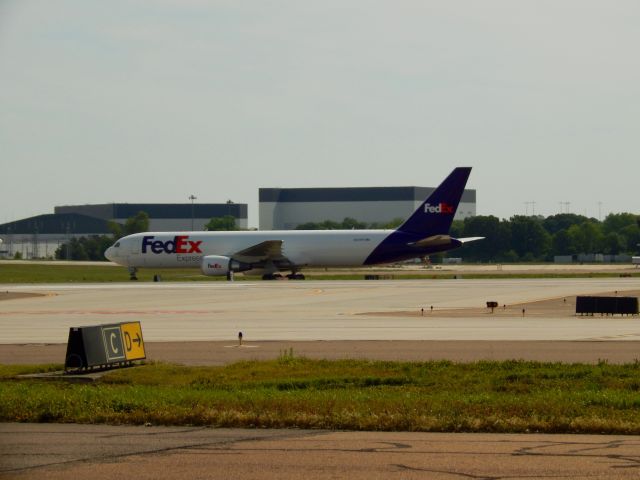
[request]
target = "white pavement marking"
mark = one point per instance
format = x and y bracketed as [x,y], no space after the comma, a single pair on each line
[310,310]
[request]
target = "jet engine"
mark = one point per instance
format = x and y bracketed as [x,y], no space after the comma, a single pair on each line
[218,265]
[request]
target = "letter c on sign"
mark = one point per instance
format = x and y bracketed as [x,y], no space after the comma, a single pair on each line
[112,337]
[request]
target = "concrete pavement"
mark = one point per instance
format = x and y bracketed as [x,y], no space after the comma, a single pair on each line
[99,452]
[321,310]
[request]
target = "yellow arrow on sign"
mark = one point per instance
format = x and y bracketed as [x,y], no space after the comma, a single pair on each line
[133,342]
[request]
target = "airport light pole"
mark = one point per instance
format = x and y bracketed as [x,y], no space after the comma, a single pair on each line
[192,198]
[599,211]
[533,207]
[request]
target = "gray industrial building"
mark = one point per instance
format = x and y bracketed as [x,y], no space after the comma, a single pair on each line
[40,236]
[163,216]
[286,208]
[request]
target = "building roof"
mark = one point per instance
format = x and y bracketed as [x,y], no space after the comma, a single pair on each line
[157,210]
[353,194]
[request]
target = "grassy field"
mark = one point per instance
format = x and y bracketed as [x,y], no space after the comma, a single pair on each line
[42,273]
[513,396]
[39,273]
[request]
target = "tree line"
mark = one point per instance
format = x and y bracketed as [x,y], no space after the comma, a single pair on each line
[528,238]
[536,238]
[93,247]
[349,224]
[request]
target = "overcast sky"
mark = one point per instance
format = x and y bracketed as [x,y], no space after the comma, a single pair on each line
[138,101]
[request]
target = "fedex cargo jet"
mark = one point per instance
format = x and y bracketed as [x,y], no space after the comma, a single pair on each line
[268,253]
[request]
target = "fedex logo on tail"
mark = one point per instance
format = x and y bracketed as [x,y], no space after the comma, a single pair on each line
[179,244]
[441,208]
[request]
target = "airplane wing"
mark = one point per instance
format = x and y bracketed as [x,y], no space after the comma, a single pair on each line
[267,250]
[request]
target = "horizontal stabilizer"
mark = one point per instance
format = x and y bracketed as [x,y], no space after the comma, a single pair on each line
[433,241]
[469,239]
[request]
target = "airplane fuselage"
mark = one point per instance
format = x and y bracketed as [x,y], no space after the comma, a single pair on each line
[309,248]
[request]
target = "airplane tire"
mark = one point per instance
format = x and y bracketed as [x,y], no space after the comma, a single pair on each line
[271,276]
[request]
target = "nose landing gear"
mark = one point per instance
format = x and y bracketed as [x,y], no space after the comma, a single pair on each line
[132,273]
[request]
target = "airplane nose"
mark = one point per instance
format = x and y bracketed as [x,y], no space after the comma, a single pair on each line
[109,254]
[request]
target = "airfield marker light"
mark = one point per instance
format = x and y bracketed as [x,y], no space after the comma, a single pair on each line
[239,339]
[492,304]
[523,312]
[422,312]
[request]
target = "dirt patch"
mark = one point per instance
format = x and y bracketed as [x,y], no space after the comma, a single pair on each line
[552,307]
[222,353]
[15,295]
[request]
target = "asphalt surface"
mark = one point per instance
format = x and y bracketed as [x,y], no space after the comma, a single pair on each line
[45,451]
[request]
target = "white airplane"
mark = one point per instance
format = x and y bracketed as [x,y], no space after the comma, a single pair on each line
[425,232]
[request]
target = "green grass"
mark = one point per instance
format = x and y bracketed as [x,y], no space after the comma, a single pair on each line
[38,273]
[512,396]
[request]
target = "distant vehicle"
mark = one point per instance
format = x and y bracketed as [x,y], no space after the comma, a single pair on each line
[268,253]
[635,260]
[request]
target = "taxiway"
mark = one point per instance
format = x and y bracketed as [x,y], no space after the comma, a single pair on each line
[305,311]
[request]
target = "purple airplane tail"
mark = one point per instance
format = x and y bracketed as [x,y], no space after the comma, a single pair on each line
[435,215]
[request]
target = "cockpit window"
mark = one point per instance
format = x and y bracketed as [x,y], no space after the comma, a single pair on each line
[117,244]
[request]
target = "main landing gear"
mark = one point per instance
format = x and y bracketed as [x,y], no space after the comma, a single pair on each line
[272,276]
[277,276]
[132,273]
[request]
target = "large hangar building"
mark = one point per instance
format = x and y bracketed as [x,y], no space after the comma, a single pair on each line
[286,208]
[40,236]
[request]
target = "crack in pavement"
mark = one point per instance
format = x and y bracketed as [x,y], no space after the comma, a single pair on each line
[201,445]
[631,460]
[471,475]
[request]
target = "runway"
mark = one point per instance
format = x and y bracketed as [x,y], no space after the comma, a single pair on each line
[47,451]
[308,311]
